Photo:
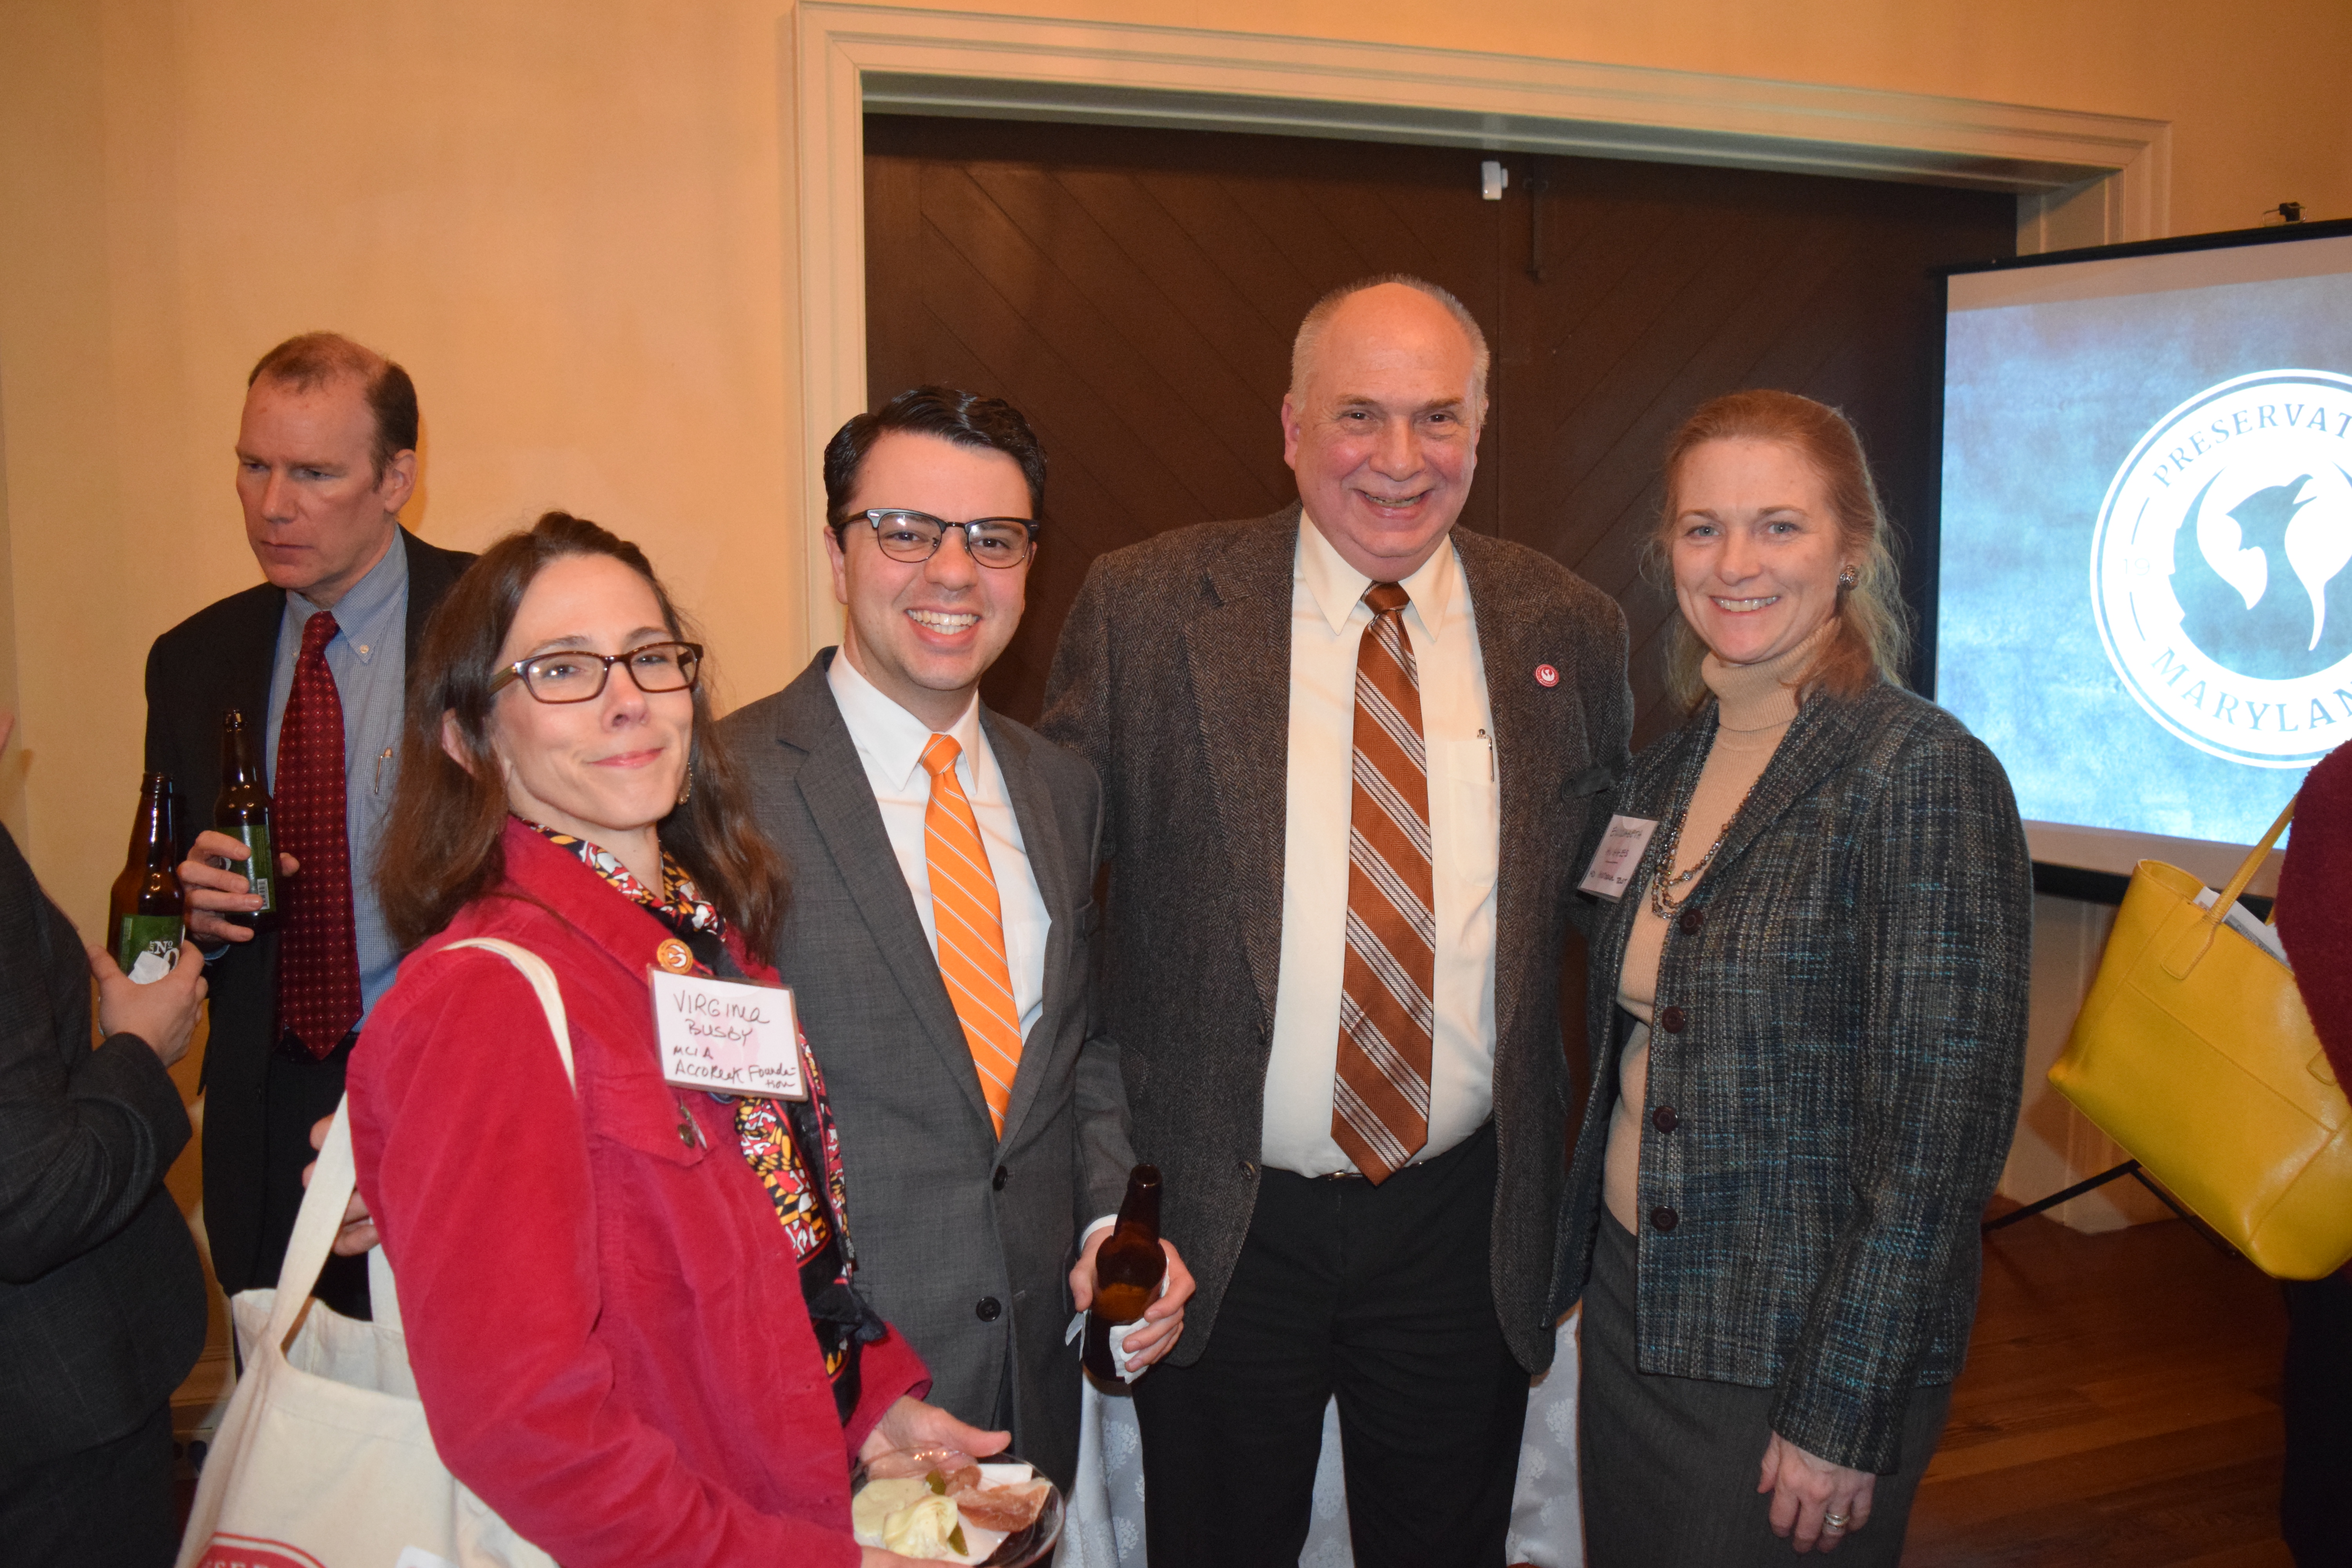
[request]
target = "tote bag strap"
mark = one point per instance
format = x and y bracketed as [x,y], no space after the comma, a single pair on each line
[336,1174]
[2198,940]
[542,980]
[331,1183]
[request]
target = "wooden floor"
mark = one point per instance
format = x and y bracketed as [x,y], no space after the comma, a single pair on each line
[2119,1410]
[2120,1407]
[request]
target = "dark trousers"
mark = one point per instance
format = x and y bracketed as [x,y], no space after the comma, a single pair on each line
[1382,1296]
[108,1507]
[1668,1464]
[2315,1493]
[297,1090]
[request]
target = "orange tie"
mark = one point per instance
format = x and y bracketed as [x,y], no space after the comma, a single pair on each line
[1380,1100]
[970,926]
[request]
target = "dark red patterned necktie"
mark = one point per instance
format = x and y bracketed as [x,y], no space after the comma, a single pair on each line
[318,954]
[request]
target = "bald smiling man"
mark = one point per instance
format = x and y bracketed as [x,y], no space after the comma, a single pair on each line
[1350,761]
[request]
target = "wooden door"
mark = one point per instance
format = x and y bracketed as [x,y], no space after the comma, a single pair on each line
[1135,291]
[1643,289]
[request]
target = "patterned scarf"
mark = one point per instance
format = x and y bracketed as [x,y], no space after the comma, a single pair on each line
[777,1136]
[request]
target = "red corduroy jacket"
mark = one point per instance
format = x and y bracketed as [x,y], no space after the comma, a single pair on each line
[603,1315]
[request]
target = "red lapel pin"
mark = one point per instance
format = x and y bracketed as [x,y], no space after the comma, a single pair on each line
[1546,675]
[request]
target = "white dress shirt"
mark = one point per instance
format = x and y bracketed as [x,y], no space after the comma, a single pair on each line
[890,742]
[1327,617]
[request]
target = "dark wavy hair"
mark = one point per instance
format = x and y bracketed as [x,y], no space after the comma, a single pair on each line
[442,845]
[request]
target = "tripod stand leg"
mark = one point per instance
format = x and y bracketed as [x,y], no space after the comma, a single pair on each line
[2198,1225]
[2129,1168]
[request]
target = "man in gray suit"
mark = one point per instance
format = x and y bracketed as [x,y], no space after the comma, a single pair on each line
[941,930]
[1350,761]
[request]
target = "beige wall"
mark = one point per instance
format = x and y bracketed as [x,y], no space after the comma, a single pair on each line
[573,223]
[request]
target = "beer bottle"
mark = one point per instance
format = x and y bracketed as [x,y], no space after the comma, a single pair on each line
[145,909]
[1127,1271]
[243,812]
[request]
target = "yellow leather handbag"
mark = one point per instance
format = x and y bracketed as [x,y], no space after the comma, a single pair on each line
[2194,1052]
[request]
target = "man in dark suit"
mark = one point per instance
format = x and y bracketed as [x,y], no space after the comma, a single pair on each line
[102,1298]
[1349,760]
[942,924]
[316,659]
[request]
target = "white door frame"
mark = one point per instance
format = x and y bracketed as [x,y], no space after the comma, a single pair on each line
[2080,177]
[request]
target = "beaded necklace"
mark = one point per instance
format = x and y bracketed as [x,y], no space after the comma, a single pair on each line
[1663,903]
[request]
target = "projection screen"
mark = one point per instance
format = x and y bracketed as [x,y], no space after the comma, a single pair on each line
[2145,594]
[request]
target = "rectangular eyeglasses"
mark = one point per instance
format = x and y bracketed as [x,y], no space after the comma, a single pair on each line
[575,677]
[913,536]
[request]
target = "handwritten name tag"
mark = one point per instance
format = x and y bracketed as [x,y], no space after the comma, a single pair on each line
[1619,853]
[726,1036]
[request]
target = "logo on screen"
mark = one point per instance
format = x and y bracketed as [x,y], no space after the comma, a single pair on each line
[2221,568]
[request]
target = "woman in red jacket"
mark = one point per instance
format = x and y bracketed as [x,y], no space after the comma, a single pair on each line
[629,1306]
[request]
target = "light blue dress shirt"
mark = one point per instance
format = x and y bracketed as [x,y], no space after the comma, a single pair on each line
[368,656]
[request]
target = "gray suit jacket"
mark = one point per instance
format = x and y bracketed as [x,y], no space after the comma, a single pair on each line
[102,1298]
[1851,980]
[964,1242]
[1173,679]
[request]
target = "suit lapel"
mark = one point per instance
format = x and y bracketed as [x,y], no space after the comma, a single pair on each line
[1816,742]
[1514,705]
[250,651]
[1032,808]
[833,785]
[430,574]
[1239,653]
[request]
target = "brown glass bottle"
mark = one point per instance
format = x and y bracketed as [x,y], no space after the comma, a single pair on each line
[1128,1270]
[243,812]
[146,913]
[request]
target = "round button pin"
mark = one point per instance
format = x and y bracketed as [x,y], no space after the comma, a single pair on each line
[1546,675]
[674,956]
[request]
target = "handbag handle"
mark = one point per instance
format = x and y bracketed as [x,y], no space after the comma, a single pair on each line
[337,1175]
[2199,941]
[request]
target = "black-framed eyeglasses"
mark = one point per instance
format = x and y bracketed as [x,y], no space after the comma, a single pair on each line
[572,676]
[912,536]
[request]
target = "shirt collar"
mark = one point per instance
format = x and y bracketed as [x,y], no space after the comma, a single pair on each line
[365,616]
[1337,588]
[890,739]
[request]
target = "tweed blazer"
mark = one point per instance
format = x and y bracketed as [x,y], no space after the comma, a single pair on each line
[102,1298]
[965,1239]
[1841,1037]
[221,657]
[1173,679]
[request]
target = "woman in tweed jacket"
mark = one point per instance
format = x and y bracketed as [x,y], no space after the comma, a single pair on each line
[1771,1215]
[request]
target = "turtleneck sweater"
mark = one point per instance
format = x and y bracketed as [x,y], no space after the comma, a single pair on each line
[1756,703]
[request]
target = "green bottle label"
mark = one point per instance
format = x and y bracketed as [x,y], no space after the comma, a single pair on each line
[260,865]
[148,946]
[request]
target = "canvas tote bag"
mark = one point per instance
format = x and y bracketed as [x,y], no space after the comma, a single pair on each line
[2193,1051]
[324,1459]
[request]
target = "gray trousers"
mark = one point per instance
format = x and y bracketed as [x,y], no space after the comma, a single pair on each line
[1669,1464]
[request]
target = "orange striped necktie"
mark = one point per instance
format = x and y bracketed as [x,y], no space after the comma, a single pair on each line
[1379,1098]
[971,927]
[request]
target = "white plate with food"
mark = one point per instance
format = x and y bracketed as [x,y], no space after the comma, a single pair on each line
[936,1505]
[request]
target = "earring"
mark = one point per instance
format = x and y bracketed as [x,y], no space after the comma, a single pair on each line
[1848,578]
[686,790]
